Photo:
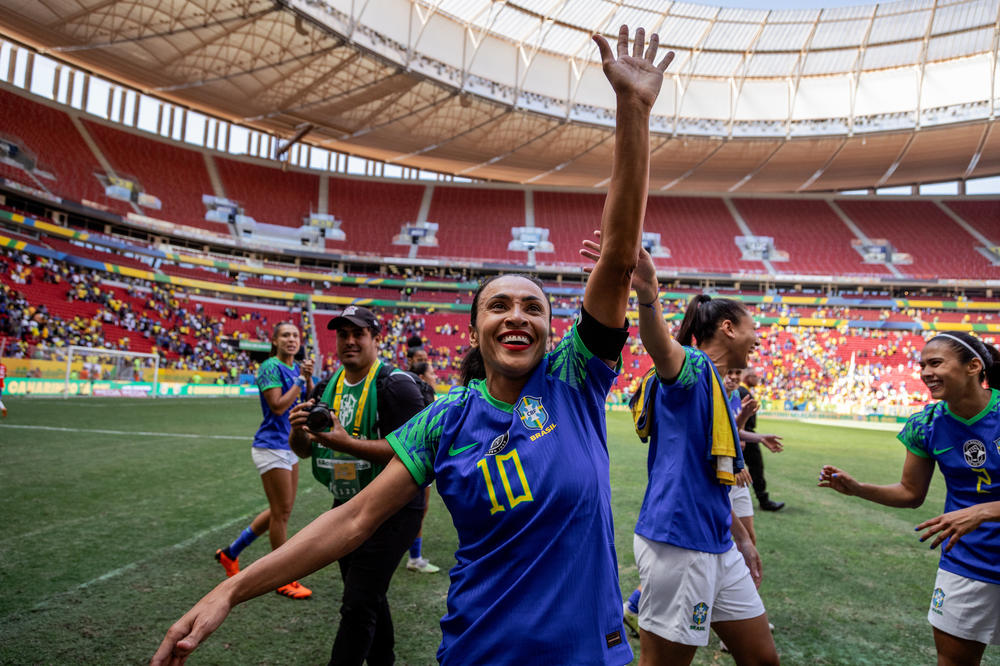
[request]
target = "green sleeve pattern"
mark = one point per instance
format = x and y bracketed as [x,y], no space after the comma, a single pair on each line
[568,361]
[915,433]
[268,376]
[416,441]
[692,369]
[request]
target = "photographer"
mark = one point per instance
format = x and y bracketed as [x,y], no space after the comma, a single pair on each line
[371,399]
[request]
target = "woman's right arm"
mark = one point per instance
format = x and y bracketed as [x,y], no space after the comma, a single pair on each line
[326,539]
[279,402]
[908,493]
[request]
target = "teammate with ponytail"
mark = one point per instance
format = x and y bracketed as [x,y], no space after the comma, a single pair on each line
[698,567]
[961,433]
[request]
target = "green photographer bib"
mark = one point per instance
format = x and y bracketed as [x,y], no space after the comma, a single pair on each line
[356,407]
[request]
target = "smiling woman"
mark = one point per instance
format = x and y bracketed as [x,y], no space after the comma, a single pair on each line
[519,451]
[961,433]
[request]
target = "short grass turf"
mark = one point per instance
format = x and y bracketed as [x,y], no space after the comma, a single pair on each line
[110,535]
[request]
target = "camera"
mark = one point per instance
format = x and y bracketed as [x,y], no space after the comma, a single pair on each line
[319,418]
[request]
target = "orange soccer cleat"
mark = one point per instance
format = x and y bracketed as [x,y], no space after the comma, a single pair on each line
[294,590]
[232,567]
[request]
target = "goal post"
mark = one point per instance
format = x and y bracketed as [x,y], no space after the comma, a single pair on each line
[123,370]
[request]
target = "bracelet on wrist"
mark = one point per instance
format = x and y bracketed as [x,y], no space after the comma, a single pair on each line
[651,305]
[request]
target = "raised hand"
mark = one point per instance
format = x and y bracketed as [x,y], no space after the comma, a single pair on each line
[635,76]
[306,368]
[748,407]
[644,280]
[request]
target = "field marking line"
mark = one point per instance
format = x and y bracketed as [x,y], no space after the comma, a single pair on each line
[861,425]
[124,432]
[132,565]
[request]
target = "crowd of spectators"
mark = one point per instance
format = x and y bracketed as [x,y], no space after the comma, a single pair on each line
[177,328]
[841,370]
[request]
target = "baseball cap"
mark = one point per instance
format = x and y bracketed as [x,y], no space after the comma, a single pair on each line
[357,316]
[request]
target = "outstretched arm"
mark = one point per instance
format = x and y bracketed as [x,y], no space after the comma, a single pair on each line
[908,493]
[636,81]
[328,538]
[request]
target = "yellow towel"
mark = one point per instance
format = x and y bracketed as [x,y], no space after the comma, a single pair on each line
[638,404]
[723,442]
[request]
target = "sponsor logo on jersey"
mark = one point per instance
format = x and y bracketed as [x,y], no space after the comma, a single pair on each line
[532,413]
[498,444]
[937,601]
[699,616]
[452,451]
[974,452]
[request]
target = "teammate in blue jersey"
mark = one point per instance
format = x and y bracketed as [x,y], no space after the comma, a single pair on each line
[698,567]
[518,453]
[961,434]
[282,383]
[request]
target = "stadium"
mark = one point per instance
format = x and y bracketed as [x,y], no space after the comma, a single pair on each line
[178,177]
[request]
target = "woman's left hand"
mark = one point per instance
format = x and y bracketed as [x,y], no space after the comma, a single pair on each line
[952,526]
[306,368]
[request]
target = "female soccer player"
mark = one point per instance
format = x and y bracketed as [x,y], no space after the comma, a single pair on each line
[961,432]
[518,453]
[693,576]
[281,383]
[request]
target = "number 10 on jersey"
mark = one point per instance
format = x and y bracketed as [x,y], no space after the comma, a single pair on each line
[502,467]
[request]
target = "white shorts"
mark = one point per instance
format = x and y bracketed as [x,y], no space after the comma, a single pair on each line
[684,591]
[739,496]
[268,459]
[966,608]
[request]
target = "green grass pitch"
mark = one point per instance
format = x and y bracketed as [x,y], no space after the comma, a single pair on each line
[109,538]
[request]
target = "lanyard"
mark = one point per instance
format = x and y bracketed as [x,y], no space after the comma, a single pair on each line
[360,409]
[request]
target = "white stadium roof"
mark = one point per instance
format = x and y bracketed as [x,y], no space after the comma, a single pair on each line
[756,100]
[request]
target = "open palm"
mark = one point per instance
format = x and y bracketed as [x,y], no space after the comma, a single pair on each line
[634,75]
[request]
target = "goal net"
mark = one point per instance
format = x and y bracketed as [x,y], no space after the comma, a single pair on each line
[110,372]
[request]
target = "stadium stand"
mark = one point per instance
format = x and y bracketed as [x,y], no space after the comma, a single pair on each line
[476,223]
[699,233]
[982,216]
[817,241]
[177,176]
[59,148]
[372,213]
[565,215]
[269,195]
[938,246]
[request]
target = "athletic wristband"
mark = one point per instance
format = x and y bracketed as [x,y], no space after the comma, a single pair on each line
[300,381]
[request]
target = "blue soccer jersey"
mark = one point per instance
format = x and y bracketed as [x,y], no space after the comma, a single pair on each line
[528,488]
[685,505]
[274,429]
[967,452]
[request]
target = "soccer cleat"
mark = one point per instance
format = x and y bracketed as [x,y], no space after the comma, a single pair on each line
[421,564]
[631,620]
[4,412]
[771,505]
[232,567]
[294,590]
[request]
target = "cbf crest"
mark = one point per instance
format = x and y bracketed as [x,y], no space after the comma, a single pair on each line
[532,413]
